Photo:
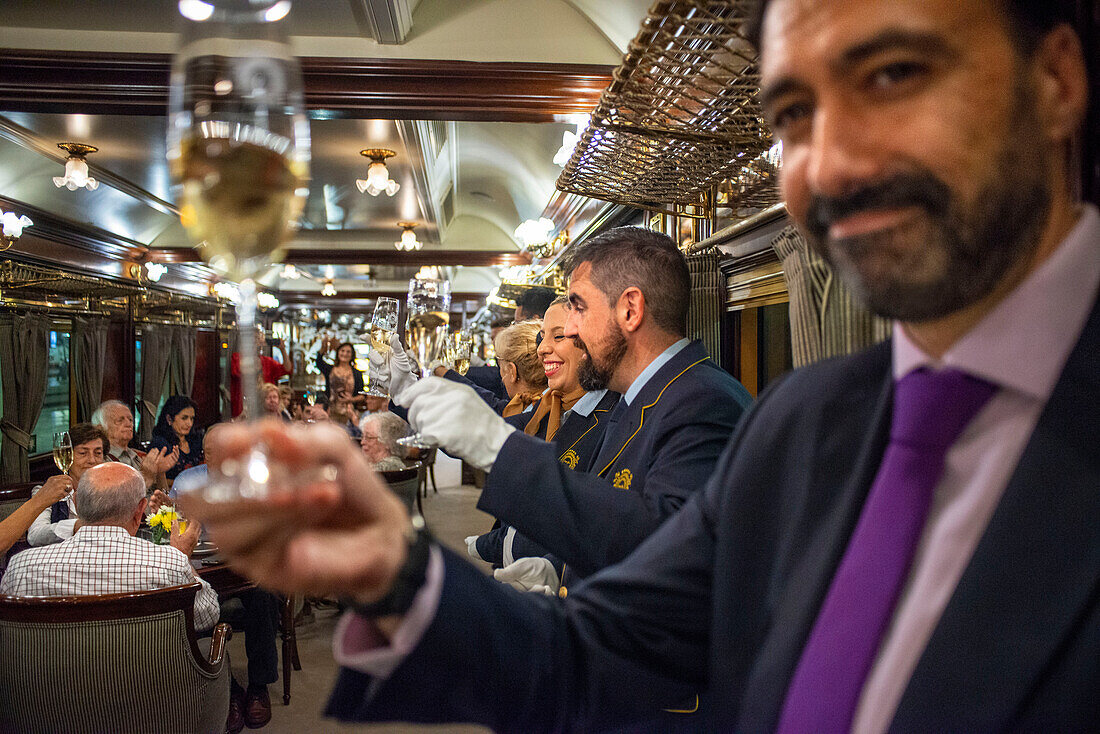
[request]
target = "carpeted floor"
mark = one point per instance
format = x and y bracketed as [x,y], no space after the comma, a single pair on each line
[451,514]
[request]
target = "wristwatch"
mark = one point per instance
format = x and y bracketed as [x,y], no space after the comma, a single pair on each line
[409,579]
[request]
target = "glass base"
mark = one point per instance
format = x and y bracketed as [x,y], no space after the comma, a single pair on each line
[415,441]
[375,392]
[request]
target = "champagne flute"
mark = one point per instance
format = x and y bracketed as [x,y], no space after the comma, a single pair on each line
[238,146]
[462,348]
[62,451]
[383,326]
[428,305]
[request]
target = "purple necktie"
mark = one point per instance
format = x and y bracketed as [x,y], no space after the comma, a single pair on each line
[931,408]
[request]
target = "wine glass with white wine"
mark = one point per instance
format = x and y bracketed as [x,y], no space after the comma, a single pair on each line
[62,451]
[383,325]
[462,348]
[238,147]
[429,307]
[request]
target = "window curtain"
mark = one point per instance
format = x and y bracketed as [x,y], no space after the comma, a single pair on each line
[826,319]
[705,308]
[156,356]
[89,354]
[24,360]
[183,359]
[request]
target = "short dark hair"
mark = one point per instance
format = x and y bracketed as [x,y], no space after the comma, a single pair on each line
[82,433]
[322,400]
[535,301]
[1029,20]
[627,257]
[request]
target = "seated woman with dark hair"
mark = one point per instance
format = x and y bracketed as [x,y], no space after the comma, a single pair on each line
[176,427]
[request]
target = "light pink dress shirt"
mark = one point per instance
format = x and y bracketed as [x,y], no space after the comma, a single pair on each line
[1021,346]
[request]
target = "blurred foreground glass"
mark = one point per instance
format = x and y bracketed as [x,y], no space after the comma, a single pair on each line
[383,327]
[238,149]
[429,307]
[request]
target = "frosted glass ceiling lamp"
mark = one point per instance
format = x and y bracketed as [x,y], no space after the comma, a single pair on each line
[328,289]
[153,271]
[11,228]
[76,168]
[408,241]
[378,176]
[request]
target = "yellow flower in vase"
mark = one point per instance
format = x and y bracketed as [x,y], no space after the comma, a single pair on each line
[161,523]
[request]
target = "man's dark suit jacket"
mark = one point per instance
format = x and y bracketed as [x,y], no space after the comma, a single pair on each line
[659,451]
[723,596]
[576,442]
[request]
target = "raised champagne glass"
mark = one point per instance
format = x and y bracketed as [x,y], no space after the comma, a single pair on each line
[238,149]
[428,305]
[62,451]
[383,325]
[462,348]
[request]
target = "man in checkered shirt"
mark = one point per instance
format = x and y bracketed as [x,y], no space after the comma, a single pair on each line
[103,556]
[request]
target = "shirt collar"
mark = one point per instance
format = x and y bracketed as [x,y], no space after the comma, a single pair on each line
[99,531]
[651,369]
[118,452]
[1023,343]
[588,402]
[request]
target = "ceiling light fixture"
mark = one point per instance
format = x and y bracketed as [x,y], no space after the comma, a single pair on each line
[535,236]
[153,271]
[378,176]
[328,289]
[76,168]
[226,291]
[408,241]
[12,228]
[290,273]
[266,300]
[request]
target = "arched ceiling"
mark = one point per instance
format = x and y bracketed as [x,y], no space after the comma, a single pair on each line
[468,183]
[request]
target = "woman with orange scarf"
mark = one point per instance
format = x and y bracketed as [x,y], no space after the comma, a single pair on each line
[574,420]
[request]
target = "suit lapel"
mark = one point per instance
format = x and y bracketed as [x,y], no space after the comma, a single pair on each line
[1035,568]
[851,435]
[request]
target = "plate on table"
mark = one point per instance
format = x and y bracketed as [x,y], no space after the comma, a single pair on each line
[204,548]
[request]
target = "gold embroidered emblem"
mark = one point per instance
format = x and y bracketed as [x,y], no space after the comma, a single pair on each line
[622,479]
[570,459]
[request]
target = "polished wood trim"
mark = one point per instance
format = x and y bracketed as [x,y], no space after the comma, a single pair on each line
[404,89]
[473,258]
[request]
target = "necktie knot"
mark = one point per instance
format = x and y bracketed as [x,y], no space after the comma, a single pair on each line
[932,407]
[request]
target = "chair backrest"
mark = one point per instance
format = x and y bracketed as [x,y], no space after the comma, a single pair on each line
[404,483]
[117,662]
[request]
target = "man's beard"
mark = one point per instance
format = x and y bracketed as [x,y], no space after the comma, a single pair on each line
[595,373]
[955,254]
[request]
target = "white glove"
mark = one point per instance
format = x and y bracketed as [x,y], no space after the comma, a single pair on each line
[444,363]
[401,367]
[471,547]
[476,361]
[530,574]
[453,417]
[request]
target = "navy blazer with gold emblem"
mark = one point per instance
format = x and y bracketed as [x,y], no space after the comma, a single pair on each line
[577,440]
[660,449]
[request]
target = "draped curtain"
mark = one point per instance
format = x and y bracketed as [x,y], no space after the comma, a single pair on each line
[24,361]
[157,344]
[183,359]
[705,308]
[89,354]
[826,319]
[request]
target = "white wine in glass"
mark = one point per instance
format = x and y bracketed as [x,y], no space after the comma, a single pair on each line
[462,347]
[62,451]
[383,326]
[429,307]
[238,147]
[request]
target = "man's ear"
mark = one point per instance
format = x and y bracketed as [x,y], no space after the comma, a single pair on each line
[630,309]
[1061,83]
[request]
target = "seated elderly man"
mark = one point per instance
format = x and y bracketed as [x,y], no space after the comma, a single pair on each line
[55,523]
[104,556]
[379,441]
[116,419]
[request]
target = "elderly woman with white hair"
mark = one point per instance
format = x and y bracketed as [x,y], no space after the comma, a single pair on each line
[379,441]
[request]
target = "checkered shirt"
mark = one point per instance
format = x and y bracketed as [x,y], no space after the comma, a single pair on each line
[105,559]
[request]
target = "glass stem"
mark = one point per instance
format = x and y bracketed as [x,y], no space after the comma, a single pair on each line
[248,348]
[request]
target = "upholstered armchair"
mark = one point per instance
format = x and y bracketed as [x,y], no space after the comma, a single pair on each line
[112,663]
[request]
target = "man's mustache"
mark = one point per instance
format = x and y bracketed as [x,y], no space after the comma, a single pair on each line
[920,188]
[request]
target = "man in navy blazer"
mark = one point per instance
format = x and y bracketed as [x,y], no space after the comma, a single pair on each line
[926,153]
[628,292]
